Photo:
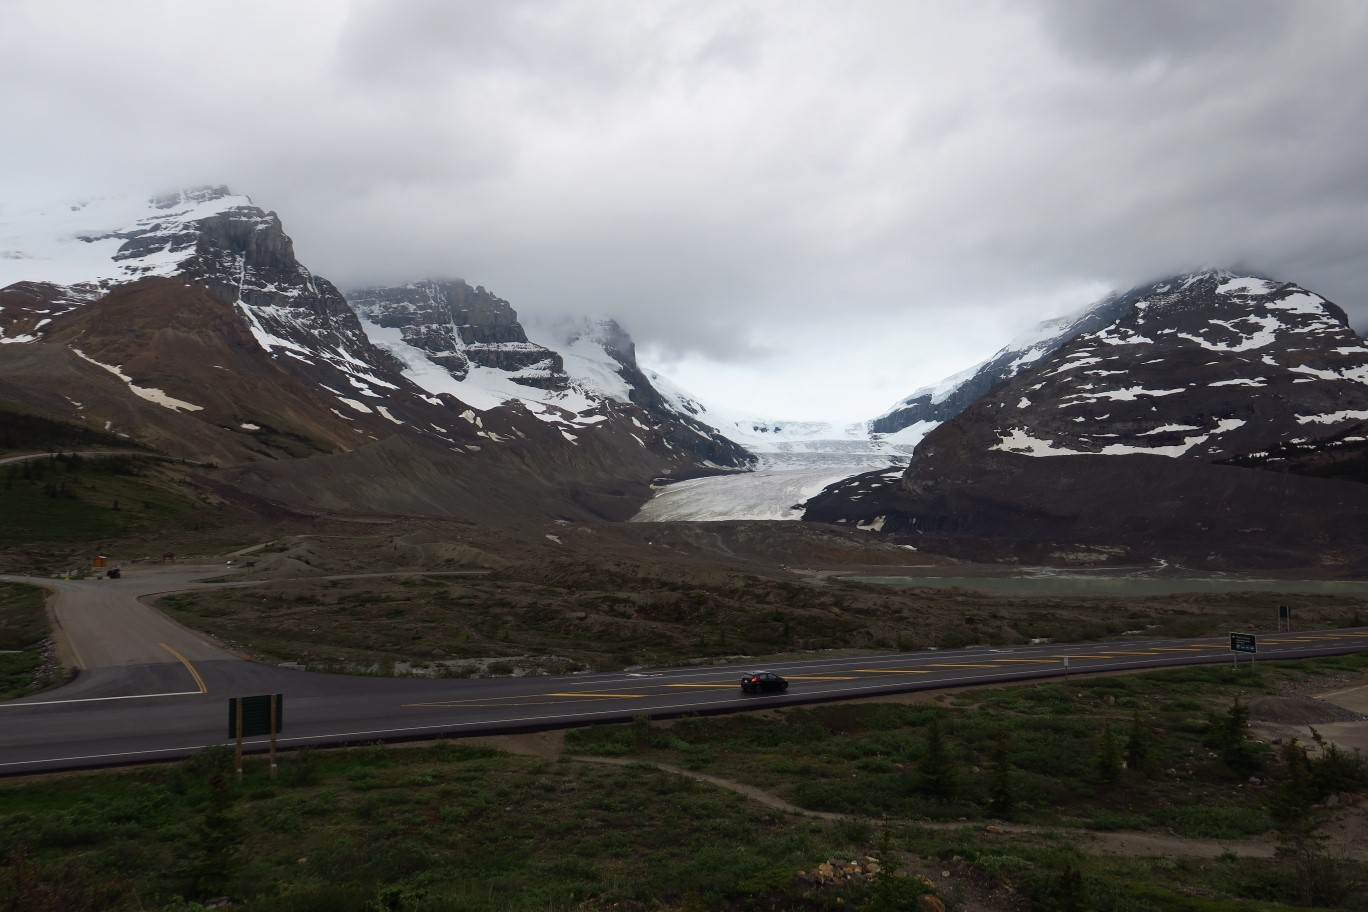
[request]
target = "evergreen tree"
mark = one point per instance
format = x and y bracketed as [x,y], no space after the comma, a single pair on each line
[1138,756]
[936,775]
[1109,756]
[1291,807]
[212,859]
[1001,796]
[1226,735]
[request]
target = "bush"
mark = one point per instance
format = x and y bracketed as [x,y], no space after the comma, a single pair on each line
[1215,822]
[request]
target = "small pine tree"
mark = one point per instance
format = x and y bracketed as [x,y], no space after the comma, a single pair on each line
[1138,756]
[936,775]
[1109,756]
[1001,796]
[212,858]
[1291,808]
[1226,735]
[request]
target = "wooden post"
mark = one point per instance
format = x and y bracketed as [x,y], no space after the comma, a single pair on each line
[239,738]
[273,736]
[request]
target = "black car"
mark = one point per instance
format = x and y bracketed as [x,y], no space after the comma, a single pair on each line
[755,682]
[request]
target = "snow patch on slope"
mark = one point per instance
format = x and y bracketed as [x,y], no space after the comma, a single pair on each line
[145,392]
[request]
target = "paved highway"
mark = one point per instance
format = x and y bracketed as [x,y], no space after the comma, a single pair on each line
[150,689]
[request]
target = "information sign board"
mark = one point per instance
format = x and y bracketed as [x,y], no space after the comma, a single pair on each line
[256,716]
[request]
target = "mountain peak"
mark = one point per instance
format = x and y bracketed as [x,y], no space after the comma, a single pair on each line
[203,194]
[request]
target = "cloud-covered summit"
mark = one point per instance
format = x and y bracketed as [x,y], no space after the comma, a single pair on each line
[878,192]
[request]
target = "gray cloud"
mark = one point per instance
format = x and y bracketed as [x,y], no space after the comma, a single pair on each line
[857,198]
[1121,33]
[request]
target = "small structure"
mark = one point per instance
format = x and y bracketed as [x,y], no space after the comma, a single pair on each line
[99,562]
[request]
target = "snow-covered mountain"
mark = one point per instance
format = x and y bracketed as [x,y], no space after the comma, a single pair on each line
[1128,437]
[187,322]
[931,405]
[467,343]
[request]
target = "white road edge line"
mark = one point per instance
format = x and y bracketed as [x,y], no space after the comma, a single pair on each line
[179,693]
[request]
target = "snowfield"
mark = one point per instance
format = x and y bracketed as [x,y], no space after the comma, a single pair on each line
[797,460]
[775,490]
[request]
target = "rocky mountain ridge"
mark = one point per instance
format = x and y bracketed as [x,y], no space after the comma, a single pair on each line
[187,321]
[1134,438]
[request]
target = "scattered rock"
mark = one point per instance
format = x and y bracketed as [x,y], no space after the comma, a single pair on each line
[839,873]
[928,902]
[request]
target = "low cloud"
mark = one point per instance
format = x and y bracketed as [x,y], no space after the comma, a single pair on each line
[829,197]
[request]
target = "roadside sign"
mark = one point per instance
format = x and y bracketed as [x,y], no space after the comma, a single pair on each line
[1284,616]
[256,716]
[251,717]
[1243,642]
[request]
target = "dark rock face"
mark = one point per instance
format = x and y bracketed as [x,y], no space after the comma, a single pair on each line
[1135,440]
[458,326]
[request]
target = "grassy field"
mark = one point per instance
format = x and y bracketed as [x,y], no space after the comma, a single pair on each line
[458,826]
[23,627]
[610,615]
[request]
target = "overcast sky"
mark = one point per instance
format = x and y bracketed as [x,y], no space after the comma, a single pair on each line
[798,209]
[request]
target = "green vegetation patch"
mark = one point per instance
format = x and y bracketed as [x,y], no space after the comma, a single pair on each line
[443,827]
[1165,751]
[69,498]
[23,628]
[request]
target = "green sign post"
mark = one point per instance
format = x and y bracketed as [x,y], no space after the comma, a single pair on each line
[1243,642]
[252,717]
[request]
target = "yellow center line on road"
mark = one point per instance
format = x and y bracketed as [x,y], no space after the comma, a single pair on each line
[958,665]
[1031,661]
[701,685]
[199,682]
[1187,648]
[479,704]
[1122,652]
[604,696]
[891,671]
[519,700]
[821,677]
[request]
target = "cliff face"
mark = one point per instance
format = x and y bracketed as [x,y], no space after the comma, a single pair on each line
[458,326]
